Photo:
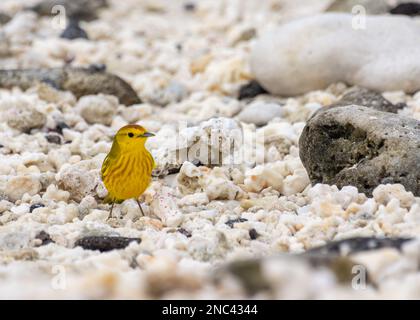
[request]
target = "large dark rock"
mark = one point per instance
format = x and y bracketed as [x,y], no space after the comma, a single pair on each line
[80,81]
[363,147]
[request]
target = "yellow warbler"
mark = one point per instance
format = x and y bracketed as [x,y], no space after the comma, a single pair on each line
[126,170]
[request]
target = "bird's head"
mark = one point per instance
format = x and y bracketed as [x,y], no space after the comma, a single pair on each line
[132,135]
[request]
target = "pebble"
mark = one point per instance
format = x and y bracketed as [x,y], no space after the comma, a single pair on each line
[353,245]
[105,243]
[25,118]
[98,108]
[250,90]
[53,138]
[73,31]
[80,179]
[17,186]
[36,206]
[253,234]
[260,113]
[44,237]
[232,222]
[407,8]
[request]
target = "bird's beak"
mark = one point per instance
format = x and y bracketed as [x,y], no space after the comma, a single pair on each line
[147,135]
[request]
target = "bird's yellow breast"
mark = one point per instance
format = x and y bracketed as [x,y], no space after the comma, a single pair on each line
[128,175]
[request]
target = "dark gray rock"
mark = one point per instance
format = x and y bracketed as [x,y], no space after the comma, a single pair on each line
[73,31]
[104,243]
[185,232]
[253,234]
[353,245]
[60,127]
[363,147]
[367,98]
[35,206]
[232,222]
[80,81]
[44,237]
[250,90]
[53,138]
[408,8]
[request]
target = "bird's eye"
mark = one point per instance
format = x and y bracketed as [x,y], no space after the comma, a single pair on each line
[130,134]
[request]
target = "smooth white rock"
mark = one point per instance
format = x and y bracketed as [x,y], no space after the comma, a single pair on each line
[312,53]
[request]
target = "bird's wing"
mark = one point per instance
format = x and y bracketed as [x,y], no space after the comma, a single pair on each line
[105,167]
[111,156]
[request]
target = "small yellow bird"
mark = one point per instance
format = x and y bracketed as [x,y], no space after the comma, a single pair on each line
[127,169]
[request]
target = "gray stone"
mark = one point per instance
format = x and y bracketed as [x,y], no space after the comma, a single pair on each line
[80,81]
[367,98]
[105,243]
[260,113]
[363,147]
[359,244]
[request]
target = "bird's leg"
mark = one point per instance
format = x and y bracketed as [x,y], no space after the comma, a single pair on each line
[112,207]
[140,207]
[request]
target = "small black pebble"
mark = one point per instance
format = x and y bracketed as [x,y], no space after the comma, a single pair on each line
[230,223]
[44,237]
[35,206]
[173,170]
[253,234]
[60,127]
[53,138]
[400,105]
[409,9]
[197,163]
[97,67]
[104,243]
[184,232]
[189,6]
[73,31]
[250,90]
